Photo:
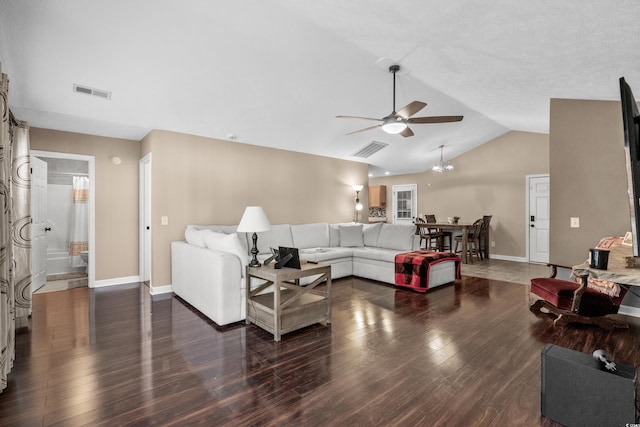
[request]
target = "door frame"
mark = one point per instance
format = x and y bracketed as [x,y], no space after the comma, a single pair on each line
[394,203]
[144,174]
[91,270]
[528,206]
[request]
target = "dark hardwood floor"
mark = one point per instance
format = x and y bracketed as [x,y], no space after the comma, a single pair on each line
[465,354]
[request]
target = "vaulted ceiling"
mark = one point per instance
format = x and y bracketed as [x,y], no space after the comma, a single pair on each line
[276,73]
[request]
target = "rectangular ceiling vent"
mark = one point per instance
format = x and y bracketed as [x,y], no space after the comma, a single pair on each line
[370,149]
[104,94]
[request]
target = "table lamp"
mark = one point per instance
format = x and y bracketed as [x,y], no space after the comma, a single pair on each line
[254,220]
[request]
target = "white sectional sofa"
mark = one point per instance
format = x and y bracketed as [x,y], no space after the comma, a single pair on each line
[208,267]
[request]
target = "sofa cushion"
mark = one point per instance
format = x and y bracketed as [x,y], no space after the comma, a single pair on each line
[371,233]
[310,235]
[279,235]
[396,236]
[334,235]
[227,243]
[326,254]
[351,236]
[377,254]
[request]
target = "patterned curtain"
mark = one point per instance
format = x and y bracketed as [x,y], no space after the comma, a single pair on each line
[79,238]
[15,264]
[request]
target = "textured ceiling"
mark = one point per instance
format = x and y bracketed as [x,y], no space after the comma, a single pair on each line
[277,73]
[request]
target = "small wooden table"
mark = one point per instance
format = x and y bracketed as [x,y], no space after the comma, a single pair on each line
[288,306]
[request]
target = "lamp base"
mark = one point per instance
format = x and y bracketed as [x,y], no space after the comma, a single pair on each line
[254,251]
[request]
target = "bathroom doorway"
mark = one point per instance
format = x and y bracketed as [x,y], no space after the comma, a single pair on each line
[70,178]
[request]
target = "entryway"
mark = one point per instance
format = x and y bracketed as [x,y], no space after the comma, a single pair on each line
[538,187]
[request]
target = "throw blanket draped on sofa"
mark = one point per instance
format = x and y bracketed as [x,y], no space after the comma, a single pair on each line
[412,268]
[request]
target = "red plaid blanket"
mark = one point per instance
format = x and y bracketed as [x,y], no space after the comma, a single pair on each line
[412,268]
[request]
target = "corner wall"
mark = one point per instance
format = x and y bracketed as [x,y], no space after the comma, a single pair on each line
[588,177]
[198,180]
[489,180]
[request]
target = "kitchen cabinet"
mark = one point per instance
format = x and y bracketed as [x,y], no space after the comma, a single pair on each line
[378,196]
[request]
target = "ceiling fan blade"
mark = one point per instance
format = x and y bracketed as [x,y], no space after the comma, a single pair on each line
[407,132]
[435,119]
[362,130]
[356,117]
[410,109]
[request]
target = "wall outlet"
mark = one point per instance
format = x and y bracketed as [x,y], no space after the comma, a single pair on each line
[164,220]
[493,244]
[575,222]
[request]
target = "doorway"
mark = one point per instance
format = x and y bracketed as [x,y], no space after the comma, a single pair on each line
[538,187]
[62,167]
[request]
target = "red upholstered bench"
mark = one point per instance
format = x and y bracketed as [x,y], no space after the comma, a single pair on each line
[415,270]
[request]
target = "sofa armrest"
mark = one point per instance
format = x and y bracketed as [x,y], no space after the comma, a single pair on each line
[209,280]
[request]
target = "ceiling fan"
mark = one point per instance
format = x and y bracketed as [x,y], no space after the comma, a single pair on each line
[398,122]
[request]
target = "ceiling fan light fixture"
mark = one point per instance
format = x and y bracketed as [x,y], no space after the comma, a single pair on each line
[394,127]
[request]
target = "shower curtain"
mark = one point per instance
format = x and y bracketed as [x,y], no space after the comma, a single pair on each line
[78,240]
[15,220]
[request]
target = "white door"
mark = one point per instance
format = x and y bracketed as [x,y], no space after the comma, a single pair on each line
[539,219]
[38,223]
[405,203]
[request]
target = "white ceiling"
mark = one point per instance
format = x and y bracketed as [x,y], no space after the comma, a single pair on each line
[276,73]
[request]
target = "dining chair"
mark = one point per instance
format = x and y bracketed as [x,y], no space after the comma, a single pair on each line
[484,236]
[473,240]
[442,235]
[425,234]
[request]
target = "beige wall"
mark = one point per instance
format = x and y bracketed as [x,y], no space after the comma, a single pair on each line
[589,181]
[116,198]
[489,180]
[197,180]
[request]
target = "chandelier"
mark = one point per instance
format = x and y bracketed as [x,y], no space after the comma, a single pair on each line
[442,166]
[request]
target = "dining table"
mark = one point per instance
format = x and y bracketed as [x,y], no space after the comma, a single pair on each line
[463,227]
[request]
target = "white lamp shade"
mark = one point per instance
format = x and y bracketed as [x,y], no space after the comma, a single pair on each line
[357,187]
[254,220]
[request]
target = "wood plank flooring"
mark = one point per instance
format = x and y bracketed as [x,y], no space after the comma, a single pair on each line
[467,354]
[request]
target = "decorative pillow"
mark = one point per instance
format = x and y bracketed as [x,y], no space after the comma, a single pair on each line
[334,235]
[193,236]
[371,233]
[227,243]
[351,236]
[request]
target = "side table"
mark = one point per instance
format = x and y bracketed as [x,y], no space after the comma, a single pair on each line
[288,306]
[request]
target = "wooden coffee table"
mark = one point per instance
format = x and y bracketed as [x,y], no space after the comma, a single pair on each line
[288,306]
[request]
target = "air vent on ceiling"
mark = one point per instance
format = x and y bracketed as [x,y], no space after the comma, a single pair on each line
[370,149]
[105,94]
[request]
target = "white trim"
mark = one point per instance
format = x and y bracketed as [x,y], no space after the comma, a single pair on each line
[144,207]
[629,310]
[509,258]
[159,290]
[116,281]
[91,270]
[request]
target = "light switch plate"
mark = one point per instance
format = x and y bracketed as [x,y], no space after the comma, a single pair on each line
[575,222]
[164,220]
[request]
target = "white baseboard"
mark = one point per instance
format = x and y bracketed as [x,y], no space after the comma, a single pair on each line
[115,281]
[159,290]
[629,310]
[508,258]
